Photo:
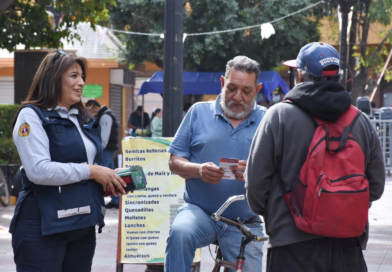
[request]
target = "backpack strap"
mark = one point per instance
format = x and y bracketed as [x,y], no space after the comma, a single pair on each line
[349,117]
[347,120]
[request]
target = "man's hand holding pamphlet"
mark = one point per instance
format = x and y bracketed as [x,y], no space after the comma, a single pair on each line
[226,164]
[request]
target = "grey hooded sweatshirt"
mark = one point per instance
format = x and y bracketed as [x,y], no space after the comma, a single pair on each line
[280,147]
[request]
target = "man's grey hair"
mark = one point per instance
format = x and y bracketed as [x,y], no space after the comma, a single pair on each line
[309,77]
[243,64]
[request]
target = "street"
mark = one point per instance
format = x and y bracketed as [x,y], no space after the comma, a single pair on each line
[378,254]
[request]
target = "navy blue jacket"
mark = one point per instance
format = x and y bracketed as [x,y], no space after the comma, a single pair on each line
[74,206]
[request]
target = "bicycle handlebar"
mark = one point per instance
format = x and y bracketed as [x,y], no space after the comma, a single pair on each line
[229,222]
[240,226]
[216,216]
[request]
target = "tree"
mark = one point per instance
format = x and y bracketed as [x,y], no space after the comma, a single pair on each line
[211,52]
[8,152]
[27,21]
[370,58]
[4,5]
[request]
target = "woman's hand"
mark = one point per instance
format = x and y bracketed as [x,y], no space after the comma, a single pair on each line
[107,178]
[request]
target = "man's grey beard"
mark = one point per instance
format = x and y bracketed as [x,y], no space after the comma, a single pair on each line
[240,115]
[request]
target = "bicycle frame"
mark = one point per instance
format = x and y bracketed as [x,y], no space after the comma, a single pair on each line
[246,239]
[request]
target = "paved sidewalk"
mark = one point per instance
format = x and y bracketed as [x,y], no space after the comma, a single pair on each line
[378,254]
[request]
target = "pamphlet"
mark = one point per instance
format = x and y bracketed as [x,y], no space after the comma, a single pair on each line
[225,164]
[134,178]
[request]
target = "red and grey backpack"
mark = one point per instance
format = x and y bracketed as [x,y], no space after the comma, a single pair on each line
[331,194]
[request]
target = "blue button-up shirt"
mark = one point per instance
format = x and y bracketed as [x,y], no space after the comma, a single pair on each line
[206,135]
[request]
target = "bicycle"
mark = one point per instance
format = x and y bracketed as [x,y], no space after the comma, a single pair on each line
[4,191]
[248,237]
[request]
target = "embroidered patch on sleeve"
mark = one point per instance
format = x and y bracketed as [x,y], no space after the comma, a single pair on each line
[24,130]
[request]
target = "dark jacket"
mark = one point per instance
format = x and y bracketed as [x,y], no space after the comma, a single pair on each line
[113,138]
[280,147]
[73,206]
[136,120]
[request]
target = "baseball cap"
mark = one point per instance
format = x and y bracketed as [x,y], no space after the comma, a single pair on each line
[314,57]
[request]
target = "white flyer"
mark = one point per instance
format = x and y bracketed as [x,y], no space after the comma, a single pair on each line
[225,164]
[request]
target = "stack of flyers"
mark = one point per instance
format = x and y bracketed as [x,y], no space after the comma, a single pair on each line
[134,178]
[225,164]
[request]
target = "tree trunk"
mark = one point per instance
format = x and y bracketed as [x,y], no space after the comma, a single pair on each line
[360,80]
[359,85]
[351,59]
[4,4]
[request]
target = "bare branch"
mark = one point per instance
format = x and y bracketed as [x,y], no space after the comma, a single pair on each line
[379,47]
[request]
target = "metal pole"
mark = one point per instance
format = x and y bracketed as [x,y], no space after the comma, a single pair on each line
[119,265]
[291,78]
[142,115]
[172,75]
[172,68]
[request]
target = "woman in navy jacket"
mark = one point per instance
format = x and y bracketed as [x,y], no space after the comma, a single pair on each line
[61,202]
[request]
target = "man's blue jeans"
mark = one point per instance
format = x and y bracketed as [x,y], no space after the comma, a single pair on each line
[107,160]
[193,228]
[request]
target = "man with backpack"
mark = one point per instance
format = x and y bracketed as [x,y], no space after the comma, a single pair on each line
[315,165]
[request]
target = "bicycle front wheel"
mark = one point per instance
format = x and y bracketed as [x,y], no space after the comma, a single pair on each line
[4,191]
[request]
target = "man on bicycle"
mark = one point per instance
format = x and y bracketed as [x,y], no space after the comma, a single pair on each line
[279,150]
[210,131]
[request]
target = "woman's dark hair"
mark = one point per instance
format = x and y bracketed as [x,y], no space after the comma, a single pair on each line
[45,91]
[153,114]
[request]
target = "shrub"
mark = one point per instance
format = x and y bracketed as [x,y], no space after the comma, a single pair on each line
[8,152]
[7,115]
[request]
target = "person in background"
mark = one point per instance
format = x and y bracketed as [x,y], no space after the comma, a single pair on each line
[186,108]
[109,136]
[59,144]
[135,120]
[210,131]
[156,123]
